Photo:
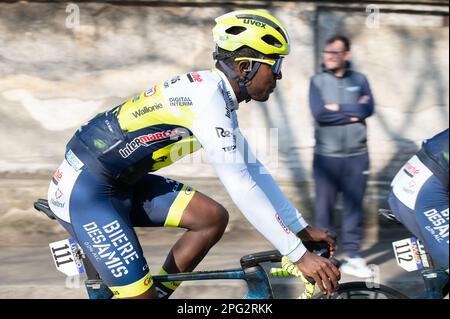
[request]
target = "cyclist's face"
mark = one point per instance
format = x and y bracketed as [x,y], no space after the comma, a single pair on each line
[263,84]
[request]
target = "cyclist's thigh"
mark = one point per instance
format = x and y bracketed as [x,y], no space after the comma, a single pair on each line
[98,215]
[163,202]
[404,214]
[432,216]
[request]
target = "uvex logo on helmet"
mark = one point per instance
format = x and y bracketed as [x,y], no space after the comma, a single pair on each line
[254,22]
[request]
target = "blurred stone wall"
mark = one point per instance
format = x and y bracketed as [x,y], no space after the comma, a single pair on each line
[56,74]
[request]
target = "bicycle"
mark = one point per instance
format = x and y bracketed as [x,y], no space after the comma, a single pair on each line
[259,286]
[68,252]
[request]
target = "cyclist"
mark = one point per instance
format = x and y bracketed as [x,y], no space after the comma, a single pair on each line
[419,196]
[103,187]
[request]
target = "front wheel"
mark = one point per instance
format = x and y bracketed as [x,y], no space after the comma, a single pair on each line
[359,290]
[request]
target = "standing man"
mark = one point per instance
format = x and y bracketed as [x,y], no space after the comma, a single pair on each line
[340,101]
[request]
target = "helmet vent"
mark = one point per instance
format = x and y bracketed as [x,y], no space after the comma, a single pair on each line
[271,40]
[235,30]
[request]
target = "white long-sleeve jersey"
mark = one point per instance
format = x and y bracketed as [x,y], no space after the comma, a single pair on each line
[179,116]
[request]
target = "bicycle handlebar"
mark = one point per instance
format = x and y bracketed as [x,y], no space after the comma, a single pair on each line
[321,249]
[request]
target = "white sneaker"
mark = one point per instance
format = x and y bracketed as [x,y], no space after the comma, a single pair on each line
[356,267]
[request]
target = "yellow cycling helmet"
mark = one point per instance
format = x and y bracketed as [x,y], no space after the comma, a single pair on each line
[253,28]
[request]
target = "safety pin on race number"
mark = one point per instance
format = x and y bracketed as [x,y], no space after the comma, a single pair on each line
[410,254]
[66,255]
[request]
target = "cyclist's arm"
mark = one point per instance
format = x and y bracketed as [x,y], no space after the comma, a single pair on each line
[288,213]
[226,155]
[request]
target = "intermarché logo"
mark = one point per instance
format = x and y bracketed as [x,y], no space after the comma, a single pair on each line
[149,139]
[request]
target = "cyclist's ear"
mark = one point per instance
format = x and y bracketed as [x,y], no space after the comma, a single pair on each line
[244,68]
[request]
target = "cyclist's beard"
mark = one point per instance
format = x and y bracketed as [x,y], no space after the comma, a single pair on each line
[262,98]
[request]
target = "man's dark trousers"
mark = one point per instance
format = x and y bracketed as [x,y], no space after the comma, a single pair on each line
[349,176]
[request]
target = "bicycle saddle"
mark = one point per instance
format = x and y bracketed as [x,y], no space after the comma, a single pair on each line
[389,215]
[42,206]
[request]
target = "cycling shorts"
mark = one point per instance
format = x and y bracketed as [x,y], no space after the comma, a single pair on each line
[101,215]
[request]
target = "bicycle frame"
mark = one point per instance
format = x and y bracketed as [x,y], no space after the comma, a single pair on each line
[252,273]
[258,284]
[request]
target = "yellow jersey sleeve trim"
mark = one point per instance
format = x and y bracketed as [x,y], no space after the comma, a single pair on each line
[135,289]
[178,206]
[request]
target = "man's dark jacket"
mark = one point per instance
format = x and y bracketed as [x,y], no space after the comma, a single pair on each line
[335,134]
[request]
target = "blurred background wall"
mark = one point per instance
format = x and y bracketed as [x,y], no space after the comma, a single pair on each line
[61,63]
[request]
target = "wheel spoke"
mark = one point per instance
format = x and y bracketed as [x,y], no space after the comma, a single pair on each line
[358,290]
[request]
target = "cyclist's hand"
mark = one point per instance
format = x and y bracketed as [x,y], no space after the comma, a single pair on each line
[321,270]
[315,234]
